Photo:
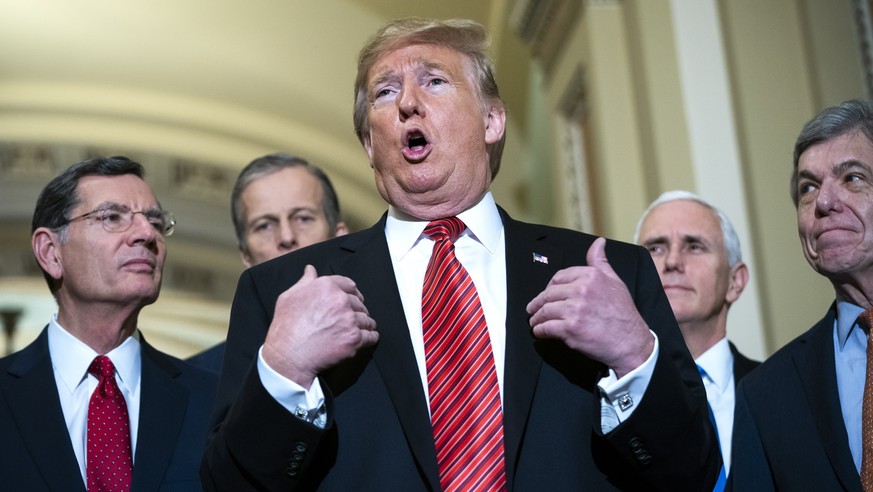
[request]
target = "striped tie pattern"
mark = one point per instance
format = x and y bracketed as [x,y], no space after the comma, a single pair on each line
[865,320]
[465,405]
[109,464]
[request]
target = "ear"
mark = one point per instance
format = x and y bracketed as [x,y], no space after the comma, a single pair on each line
[495,121]
[367,142]
[341,229]
[46,248]
[739,277]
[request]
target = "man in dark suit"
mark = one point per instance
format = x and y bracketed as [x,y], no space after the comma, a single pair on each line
[799,416]
[591,378]
[98,234]
[698,256]
[279,203]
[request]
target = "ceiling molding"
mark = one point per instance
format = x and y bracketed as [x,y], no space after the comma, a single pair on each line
[543,25]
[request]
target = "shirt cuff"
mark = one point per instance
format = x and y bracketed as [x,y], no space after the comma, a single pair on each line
[620,397]
[304,404]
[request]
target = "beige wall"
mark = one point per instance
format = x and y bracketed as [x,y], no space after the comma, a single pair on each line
[784,60]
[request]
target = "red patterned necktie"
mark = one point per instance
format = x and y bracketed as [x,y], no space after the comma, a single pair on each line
[465,405]
[109,460]
[865,320]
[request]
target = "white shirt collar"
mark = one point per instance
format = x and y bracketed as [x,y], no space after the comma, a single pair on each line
[71,357]
[718,362]
[482,220]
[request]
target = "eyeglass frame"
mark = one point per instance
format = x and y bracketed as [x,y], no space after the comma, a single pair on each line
[167,217]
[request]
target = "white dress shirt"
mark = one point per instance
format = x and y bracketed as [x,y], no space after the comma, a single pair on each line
[70,361]
[481,249]
[718,363]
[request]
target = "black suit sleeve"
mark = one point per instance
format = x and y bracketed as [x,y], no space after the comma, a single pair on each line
[669,438]
[234,460]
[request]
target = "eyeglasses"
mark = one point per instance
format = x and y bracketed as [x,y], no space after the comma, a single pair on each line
[118,218]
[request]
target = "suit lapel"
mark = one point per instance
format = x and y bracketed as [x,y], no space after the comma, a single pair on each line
[393,355]
[815,365]
[162,410]
[742,364]
[525,279]
[33,401]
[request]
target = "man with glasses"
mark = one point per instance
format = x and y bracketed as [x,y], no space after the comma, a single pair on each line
[90,404]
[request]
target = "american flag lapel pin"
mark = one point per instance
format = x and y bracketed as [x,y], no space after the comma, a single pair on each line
[538,258]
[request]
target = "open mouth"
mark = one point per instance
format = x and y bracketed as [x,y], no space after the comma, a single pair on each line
[416,147]
[415,140]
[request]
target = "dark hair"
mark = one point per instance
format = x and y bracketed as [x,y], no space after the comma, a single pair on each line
[464,36]
[60,196]
[833,122]
[268,164]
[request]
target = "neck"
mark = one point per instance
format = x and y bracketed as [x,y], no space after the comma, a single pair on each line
[701,336]
[854,293]
[100,327]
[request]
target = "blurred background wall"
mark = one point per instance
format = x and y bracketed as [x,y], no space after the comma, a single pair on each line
[610,102]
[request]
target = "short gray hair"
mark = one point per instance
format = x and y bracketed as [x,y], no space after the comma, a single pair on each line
[728,234]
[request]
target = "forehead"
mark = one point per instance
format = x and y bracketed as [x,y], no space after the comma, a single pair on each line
[684,218]
[288,187]
[417,57]
[823,156]
[127,189]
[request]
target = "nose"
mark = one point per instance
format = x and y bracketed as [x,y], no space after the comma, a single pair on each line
[673,260]
[286,236]
[409,101]
[828,199]
[142,230]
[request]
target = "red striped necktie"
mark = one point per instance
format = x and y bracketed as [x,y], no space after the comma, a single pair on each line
[109,465]
[465,405]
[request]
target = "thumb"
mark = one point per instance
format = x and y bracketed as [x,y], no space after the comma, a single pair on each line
[596,256]
[309,274]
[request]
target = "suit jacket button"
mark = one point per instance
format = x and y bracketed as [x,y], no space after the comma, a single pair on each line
[300,447]
[639,451]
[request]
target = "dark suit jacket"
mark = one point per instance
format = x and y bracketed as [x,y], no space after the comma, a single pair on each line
[210,359]
[379,435]
[35,449]
[788,427]
[742,364]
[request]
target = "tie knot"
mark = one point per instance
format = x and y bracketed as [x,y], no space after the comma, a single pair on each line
[865,320]
[450,227]
[102,367]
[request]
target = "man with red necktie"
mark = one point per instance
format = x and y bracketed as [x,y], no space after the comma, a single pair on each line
[90,405]
[450,347]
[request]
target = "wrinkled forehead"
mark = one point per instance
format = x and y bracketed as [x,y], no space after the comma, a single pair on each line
[128,190]
[417,57]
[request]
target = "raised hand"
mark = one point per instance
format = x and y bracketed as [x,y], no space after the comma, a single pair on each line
[318,322]
[590,309]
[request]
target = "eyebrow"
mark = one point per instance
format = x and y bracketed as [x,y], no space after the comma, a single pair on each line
[836,169]
[419,64]
[655,240]
[686,238]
